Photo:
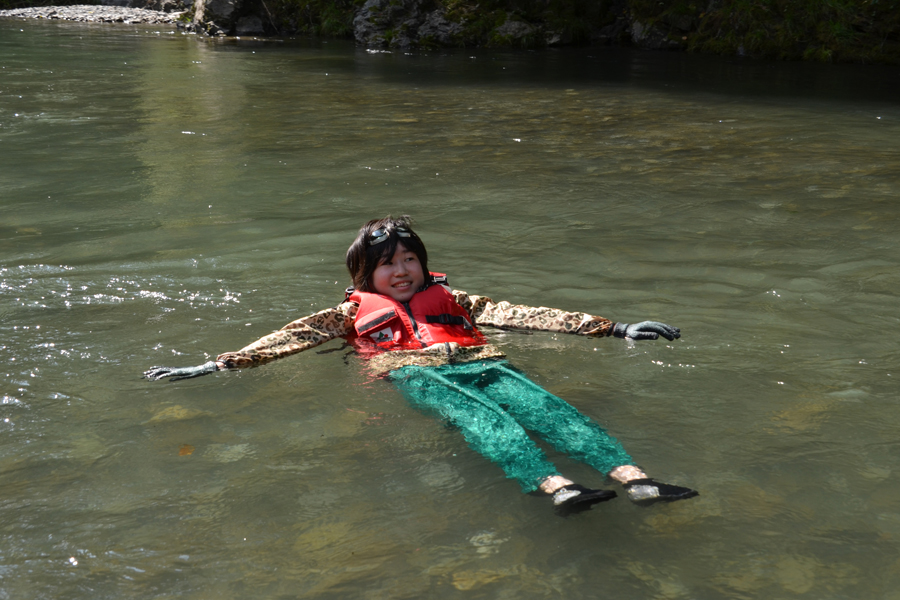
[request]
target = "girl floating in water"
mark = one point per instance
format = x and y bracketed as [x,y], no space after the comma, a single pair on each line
[424,336]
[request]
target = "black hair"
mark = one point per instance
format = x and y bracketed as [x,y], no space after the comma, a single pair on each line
[363,258]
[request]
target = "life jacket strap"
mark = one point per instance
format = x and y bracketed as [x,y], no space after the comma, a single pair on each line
[448,319]
[377,321]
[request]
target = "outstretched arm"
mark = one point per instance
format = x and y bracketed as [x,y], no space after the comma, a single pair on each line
[484,311]
[294,337]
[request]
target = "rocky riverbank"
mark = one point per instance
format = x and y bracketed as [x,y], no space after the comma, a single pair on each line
[86,13]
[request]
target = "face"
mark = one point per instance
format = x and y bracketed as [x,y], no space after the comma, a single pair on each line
[400,276]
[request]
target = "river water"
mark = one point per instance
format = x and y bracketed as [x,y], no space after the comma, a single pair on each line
[166,198]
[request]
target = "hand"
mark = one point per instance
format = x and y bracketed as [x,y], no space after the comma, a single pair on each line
[646,330]
[157,373]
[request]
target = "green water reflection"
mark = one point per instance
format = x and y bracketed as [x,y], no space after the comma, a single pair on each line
[165,199]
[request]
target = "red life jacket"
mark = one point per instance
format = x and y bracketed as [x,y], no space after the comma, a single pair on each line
[431,316]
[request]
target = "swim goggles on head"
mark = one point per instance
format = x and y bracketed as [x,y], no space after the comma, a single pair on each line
[383,233]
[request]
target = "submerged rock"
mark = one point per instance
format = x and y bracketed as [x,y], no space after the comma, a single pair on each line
[176,413]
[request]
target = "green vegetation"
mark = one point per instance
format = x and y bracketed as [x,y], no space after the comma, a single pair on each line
[331,18]
[573,20]
[821,30]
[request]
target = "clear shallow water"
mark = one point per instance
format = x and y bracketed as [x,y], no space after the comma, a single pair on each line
[166,199]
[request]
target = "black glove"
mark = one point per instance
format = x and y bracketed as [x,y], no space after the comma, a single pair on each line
[157,373]
[646,330]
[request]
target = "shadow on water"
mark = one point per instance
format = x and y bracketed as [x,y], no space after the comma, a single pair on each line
[597,66]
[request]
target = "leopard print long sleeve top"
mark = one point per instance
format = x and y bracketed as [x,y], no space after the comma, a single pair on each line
[331,323]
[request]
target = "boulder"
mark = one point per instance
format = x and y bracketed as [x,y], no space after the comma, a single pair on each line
[388,23]
[403,24]
[216,17]
[652,38]
[249,25]
[514,31]
[680,22]
[611,34]
[438,30]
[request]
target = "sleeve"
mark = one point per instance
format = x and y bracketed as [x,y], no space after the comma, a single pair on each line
[295,337]
[485,312]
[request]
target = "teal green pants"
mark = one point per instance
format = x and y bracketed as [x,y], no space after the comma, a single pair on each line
[493,404]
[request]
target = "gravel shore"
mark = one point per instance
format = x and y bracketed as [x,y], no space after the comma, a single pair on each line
[87,13]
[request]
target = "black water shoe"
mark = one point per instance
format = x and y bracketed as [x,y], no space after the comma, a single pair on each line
[647,491]
[574,498]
